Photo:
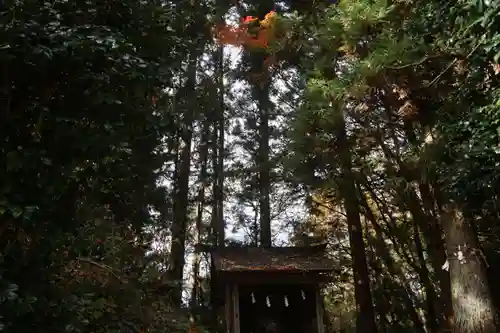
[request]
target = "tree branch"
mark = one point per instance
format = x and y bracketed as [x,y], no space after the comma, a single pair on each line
[451,64]
[421,61]
[102,266]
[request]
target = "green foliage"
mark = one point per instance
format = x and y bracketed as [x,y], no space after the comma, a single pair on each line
[82,126]
[417,85]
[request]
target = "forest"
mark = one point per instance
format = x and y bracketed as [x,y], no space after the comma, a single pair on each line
[132,131]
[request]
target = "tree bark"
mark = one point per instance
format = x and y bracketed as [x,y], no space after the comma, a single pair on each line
[472,302]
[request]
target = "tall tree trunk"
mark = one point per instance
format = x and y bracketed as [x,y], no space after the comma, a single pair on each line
[217,217]
[264,167]
[218,134]
[261,87]
[365,321]
[472,302]
[219,170]
[181,181]
[201,206]
[214,222]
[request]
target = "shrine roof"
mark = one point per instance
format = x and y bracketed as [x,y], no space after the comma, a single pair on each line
[274,259]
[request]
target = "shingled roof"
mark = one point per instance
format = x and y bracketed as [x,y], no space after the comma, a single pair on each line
[290,259]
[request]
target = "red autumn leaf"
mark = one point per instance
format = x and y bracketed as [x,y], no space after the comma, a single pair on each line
[249,19]
[259,36]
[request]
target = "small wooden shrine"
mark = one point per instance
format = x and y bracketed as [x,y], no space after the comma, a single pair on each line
[270,290]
